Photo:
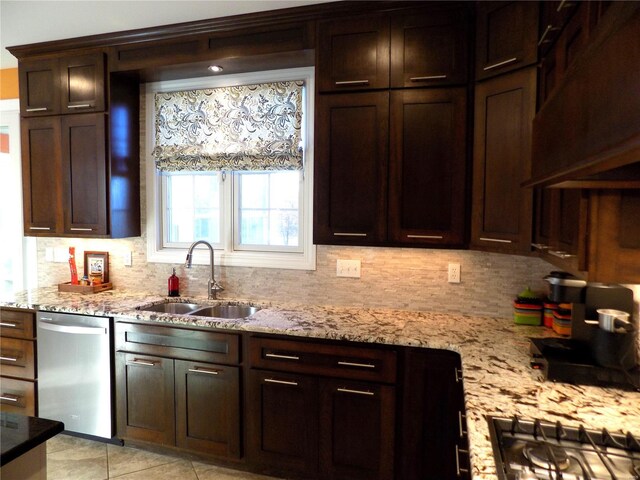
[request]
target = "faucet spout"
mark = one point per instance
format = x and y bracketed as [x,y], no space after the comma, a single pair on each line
[213,287]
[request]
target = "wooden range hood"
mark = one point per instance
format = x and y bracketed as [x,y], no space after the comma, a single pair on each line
[587,133]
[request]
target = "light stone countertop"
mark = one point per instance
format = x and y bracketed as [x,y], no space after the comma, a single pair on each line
[495,355]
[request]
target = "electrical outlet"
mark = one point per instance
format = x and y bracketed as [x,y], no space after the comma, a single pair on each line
[348,268]
[126,258]
[48,254]
[454,273]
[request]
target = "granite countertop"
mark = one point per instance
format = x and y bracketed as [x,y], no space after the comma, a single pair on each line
[19,434]
[495,355]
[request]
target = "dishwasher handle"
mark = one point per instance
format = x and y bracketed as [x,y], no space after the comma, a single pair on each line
[77,329]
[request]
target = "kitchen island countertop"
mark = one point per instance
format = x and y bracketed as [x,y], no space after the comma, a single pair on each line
[497,377]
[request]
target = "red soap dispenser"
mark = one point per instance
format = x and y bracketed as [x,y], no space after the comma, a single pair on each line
[174,285]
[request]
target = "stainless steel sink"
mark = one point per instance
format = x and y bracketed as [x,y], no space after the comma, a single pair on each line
[226,311]
[172,307]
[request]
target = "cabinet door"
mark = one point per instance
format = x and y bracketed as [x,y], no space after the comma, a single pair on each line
[506,37]
[502,209]
[353,54]
[39,88]
[41,176]
[427,166]
[282,422]
[357,425]
[84,166]
[145,398]
[429,48]
[350,174]
[545,202]
[82,82]
[208,408]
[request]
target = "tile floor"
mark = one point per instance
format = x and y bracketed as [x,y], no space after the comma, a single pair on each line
[73,458]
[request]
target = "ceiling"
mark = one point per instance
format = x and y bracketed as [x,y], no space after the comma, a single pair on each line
[29,21]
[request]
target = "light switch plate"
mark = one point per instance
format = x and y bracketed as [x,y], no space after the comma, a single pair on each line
[348,268]
[126,258]
[61,254]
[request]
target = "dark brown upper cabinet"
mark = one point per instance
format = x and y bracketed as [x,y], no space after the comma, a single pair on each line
[501,208]
[506,37]
[353,54]
[427,166]
[429,48]
[352,148]
[62,85]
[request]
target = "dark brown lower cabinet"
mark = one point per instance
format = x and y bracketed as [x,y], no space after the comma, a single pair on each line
[320,428]
[432,424]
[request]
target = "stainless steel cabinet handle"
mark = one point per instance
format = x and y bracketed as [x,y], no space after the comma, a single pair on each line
[343,234]
[353,364]
[204,370]
[36,109]
[8,359]
[560,254]
[77,229]
[432,237]
[460,424]
[39,228]
[9,397]
[146,363]
[285,357]
[5,324]
[81,105]
[56,327]
[458,373]
[281,382]
[352,82]
[496,240]
[500,64]
[460,471]
[543,39]
[357,392]
[429,77]
[563,4]
[540,246]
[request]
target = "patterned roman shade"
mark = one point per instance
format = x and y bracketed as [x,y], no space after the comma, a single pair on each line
[247,127]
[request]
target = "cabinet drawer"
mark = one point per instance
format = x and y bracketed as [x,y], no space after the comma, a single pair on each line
[17,358]
[360,363]
[17,323]
[18,396]
[178,343]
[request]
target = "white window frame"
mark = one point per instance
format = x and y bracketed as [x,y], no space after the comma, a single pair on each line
[226,254]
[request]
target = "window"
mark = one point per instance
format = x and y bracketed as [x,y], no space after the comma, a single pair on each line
[252,218]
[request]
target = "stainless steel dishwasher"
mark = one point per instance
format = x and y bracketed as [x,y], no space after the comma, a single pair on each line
[75,372]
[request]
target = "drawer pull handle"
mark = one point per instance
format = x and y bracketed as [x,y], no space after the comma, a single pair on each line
[459,470]
[431,237]
[353,364]
[496,240]
[6,324]
[9,398]
[357,392]
[204,370]
[352,82]
[281,382]
[283,357]
[8,359]
[458,375]
[543,39]
[344,234]
[429,77]
[144,362]
[500,64]
[460,424]
[77,229]
[81,105]
[36,109]
[540,246]
[40,228]
[560,254]
[563,4]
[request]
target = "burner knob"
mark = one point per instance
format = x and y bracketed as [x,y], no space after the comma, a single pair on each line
[526,474]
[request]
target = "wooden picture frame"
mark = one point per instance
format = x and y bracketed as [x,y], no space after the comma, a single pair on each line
[97,263]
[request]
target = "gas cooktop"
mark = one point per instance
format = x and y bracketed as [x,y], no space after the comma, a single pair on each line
[533,449]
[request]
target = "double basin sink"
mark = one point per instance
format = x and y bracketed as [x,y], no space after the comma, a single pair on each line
[227,311]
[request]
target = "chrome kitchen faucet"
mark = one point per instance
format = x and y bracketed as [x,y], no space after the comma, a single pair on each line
[213,287]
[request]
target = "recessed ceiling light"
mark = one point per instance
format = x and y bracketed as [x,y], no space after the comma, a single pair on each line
[215,68]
